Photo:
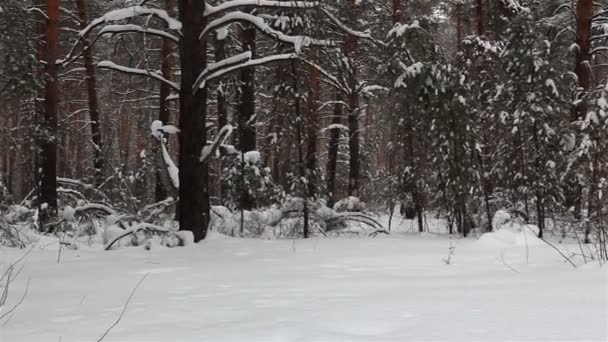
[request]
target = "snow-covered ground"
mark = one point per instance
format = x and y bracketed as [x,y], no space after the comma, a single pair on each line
[388,288]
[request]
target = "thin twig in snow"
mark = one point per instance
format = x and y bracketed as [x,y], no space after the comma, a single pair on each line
[502,261]
[124,309]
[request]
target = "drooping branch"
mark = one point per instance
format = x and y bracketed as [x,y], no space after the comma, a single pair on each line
[134,71]
[128,28]
[225,63]
[117,15]
[245,64]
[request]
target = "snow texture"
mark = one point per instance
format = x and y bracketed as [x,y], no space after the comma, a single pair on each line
[389,288]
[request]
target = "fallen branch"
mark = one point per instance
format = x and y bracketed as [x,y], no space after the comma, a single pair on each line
[140,226]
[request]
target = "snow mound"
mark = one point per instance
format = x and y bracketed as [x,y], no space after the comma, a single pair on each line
[508,237]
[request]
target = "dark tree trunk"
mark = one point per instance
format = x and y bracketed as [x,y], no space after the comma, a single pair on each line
[96,136]
[459,26]
[353,144]
[332,153]
[164,114]
[48,157]
[584,14]
[479,15]
[312,124]
[246,115]
[247,133]
[397,12]
[193,204]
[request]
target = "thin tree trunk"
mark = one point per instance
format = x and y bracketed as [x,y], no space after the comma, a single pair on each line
[48,157]
[96,137]
[193,206]
[350,47]
[312,123]
[300,142]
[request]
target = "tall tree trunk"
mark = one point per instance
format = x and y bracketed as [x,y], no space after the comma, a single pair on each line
[247,133]
[96,137]
[584,14]
[246,115]
[332,153]
[48,157]
[164,113]
[193,204]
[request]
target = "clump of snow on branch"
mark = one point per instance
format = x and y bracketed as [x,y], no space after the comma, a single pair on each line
[157,129]
[130,12]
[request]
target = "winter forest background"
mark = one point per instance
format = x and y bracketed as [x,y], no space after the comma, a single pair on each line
[130,123]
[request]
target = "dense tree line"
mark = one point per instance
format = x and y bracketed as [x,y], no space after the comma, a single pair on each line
[451,107]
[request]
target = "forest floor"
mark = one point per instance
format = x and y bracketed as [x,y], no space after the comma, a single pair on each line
[388,288]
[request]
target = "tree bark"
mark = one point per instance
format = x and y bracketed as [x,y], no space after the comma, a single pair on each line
[193,204]
[48,157]
[96,136]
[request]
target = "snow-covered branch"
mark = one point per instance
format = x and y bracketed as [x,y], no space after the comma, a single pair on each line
[131,12]
[225,63]
[158,130]
[245,64]
[298,42]
[229,5]
[116,29]
[221,137]
[134,71]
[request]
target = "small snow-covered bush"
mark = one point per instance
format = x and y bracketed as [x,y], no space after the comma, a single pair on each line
[245,173]
[508,230]
[349,204]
